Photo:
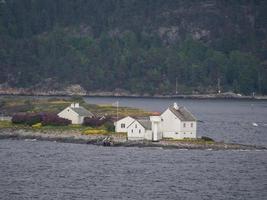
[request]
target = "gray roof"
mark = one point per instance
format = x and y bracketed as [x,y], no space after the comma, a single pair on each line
[145,123]
[182,113]
[82,112]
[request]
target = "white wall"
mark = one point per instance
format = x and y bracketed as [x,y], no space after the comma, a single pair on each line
[126,121]
[68,113]
[136,131]
[185,132]
[148,135]
[188,131]
[169,124]
[173,127]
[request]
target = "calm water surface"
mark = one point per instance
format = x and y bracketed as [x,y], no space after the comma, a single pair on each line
[223,120]
[50,170]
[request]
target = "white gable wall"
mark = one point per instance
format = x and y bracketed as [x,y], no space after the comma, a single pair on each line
[122,124]
[170,125]
[68,113]
[189,129]
[137,132]
[173,127]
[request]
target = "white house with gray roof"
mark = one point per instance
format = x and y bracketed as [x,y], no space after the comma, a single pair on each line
[122,124]
[75,113]
[176,122]
[140,129]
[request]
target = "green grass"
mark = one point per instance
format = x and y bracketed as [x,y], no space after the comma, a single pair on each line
[12,105]
[190,140]
[77,128]
[6,124]
[95,132]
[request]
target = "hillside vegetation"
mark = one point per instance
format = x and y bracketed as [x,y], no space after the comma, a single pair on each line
[139,46]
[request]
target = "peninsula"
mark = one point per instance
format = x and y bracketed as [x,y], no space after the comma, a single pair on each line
[104,134]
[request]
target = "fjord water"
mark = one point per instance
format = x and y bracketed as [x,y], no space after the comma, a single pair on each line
[51,170]
[222,120]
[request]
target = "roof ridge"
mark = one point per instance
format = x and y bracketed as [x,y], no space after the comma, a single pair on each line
[182,113]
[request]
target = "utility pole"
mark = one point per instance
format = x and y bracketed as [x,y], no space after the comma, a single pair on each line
[219,85]
[117,103]
[176,85]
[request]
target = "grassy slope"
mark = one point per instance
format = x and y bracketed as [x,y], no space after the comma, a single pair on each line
[11,105]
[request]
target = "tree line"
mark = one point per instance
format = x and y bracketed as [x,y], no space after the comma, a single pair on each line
[118,44]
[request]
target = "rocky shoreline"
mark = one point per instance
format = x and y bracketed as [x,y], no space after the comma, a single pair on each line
[83,93]
[118,141]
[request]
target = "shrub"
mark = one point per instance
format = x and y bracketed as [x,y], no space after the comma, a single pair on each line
[53,119]
[27,118]
[95,121]
[38,125]
[44,118]
[110,126]
[95,131]
[208,139]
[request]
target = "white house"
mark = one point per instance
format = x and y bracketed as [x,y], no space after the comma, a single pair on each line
[139,130]
[122,124]
[178,123]
[75,113]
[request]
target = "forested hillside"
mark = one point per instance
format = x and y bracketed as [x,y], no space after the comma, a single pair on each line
[140,46]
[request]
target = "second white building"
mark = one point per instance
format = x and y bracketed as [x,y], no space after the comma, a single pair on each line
[176,122]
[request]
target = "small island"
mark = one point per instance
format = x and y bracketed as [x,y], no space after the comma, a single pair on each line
[93,132]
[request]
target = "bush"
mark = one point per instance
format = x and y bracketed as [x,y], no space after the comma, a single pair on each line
[28,119]
[208,139]
[38,125]
[44,118]
[110,126]
[95,121]
[95,131]
[53,119]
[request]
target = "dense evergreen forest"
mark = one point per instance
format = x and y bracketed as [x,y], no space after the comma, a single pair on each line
[140,46]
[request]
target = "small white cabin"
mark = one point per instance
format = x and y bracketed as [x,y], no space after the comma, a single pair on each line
[139,130]
[122,124]
[75,113]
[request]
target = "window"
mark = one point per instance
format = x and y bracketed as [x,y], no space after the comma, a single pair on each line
[184,125]
[192,125]
[135,125]
[122,125]
[68,110]
[132,130]
[139,131]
